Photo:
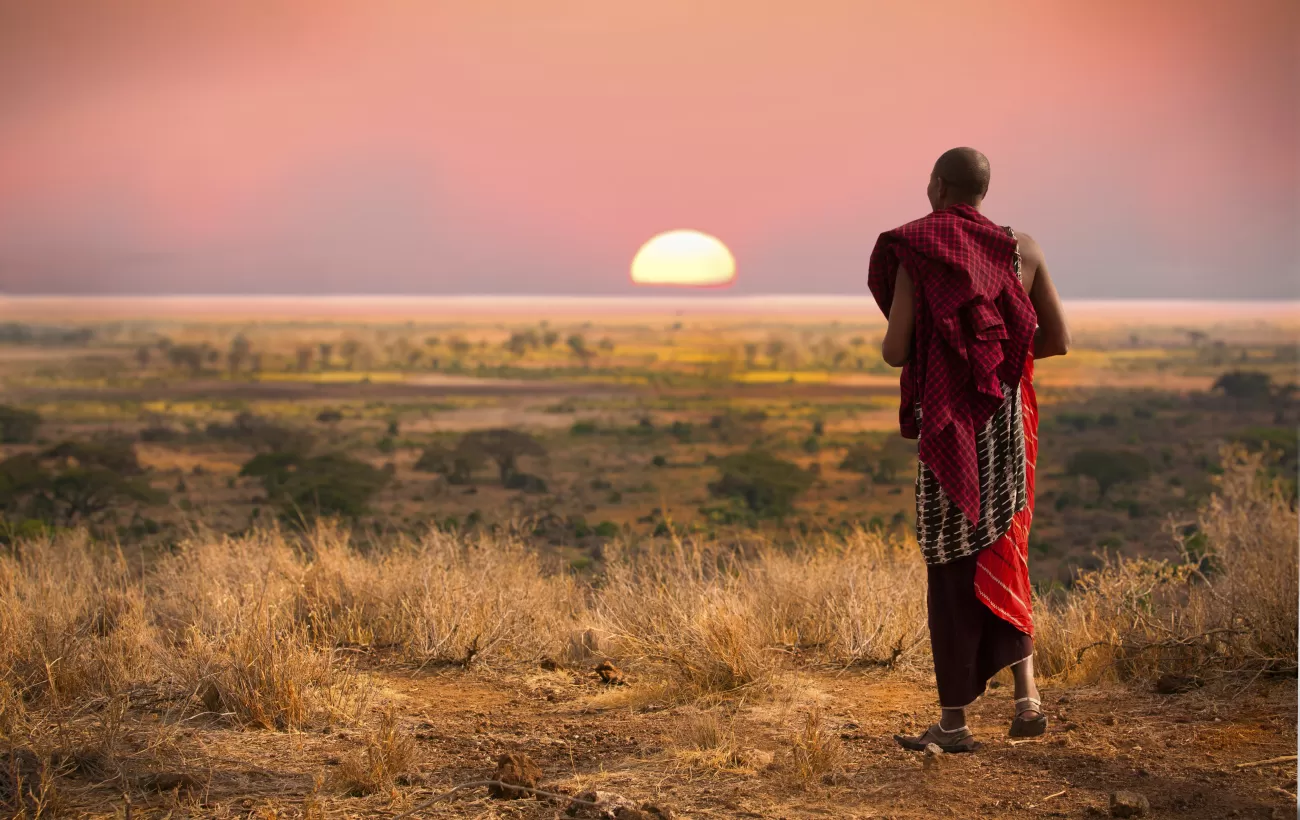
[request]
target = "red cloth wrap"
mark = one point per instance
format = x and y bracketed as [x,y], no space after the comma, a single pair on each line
[1002,569]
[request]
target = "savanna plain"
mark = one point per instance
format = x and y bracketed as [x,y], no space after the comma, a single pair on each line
[638,561]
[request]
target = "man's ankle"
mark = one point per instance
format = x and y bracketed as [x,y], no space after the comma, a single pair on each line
[951,720]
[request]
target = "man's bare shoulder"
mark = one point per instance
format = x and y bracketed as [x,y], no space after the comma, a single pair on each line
[1031,259]
[1029,246]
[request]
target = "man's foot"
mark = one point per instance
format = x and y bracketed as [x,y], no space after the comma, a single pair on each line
[1029,720]
[951,741]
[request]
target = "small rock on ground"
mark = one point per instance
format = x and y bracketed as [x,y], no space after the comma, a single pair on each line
[933,758]
[610,674]
[1128,804]
[514,770]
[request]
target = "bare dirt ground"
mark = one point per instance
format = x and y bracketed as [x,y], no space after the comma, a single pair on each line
[1182,752]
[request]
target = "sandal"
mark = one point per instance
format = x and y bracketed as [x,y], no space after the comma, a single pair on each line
[950,741]
[1029,727]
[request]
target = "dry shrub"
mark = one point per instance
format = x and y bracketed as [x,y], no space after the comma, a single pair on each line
[1229,606]
[816,754]
[689,613]
[265,673]
[856,601]
[73,622]
[440,599]
[718,622]
[389,752]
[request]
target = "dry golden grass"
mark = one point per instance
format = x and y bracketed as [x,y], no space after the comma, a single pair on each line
[705,739]
[1228,607]
[389,752]
[260,631]
[816,754]
[714,620]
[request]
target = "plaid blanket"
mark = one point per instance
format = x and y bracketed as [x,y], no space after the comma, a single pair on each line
[974,333]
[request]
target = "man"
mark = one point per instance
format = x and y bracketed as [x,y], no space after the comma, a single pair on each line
[970,307]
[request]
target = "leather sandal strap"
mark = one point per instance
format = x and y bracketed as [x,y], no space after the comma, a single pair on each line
[952,734]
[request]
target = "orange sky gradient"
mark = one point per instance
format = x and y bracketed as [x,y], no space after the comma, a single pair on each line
[149,146]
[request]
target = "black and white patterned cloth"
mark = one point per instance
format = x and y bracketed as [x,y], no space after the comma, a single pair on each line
[943,531]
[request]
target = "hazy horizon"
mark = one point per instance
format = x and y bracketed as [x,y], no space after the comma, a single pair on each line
[860,306]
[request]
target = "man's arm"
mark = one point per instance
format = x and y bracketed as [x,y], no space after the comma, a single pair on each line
[1053,336]
[897,347]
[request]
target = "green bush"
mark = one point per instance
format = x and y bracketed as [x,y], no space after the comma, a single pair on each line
[1108,467]
[1282,441]
[768,485]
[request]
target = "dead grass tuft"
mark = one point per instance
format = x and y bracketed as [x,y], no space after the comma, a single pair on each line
[816,754]
[389,752]
[704,739]
[267,675]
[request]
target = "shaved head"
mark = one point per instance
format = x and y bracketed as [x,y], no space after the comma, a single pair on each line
[964,173]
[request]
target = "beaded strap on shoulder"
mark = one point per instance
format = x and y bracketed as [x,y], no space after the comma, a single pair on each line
[1019,275]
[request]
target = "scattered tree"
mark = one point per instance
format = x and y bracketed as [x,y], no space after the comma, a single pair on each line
[333,484]
[262,434]
[190,357]
[502,446]
[73,483]
[240,352]
[1245,385]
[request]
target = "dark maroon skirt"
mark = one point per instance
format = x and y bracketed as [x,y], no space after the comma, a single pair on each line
[970,643]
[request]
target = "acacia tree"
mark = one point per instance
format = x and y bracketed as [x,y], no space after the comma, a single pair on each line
[1244,384]
[304,487]
[240,351]
[74,482]
[503,447]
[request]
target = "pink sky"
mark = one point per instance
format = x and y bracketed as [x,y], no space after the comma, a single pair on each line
[152,146]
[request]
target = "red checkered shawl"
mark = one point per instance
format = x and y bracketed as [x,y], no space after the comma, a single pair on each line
[974,332]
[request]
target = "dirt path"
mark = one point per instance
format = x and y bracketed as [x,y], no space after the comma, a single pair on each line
[1181,752]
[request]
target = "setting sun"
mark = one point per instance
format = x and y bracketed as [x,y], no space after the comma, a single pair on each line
[685,259]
